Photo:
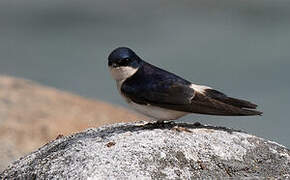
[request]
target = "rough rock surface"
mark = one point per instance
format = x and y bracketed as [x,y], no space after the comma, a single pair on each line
[156,151]
[32,115]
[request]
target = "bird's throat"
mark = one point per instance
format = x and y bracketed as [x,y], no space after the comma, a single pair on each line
[122,73]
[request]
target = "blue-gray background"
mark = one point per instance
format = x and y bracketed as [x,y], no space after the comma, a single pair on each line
[240,47]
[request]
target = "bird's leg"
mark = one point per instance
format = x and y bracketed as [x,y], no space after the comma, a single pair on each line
[161,123]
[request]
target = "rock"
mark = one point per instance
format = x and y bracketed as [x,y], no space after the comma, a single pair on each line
[155,151]
[32,115]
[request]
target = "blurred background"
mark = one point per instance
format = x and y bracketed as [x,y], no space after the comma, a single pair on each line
[240,47]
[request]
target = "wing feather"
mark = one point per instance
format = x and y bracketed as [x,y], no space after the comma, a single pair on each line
[206,105]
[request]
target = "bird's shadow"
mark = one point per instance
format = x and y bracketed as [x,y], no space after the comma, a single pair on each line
[172,125]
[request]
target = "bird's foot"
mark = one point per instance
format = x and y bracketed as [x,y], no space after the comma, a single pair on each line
[197,124]
[161,124]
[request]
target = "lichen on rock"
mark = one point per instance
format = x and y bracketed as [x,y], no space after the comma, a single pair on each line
[156,151]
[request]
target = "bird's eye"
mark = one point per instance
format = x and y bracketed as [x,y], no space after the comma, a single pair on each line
[125,62]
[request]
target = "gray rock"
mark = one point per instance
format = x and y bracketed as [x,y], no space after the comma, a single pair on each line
[24,102]
[154,151]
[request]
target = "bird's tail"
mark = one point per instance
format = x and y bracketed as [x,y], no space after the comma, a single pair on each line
[214,102]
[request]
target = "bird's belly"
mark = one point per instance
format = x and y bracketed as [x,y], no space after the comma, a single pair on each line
[157,112]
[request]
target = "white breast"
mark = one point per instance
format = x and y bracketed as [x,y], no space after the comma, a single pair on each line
[157,112]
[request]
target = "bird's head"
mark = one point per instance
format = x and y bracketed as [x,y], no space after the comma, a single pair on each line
[123,63]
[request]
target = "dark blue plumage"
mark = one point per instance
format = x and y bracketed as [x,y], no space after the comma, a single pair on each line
[123,57]
[164,95]
[152,85]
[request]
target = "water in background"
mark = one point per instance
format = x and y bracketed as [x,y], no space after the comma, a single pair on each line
[239,47]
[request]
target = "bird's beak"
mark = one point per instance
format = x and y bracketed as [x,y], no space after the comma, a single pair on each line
[114,65]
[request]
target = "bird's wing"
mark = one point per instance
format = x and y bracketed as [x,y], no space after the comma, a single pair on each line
[152,85]
[213,102]
[164,89]
[161,92]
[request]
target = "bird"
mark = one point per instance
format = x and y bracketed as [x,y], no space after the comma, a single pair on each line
[164,96]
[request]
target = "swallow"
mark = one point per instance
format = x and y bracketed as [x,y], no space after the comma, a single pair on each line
[164,96]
